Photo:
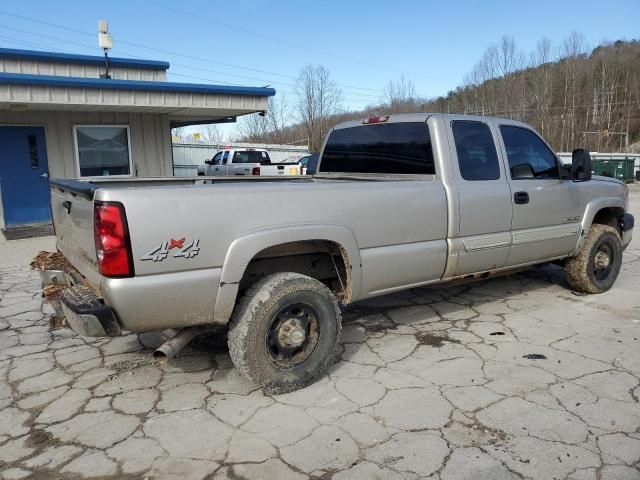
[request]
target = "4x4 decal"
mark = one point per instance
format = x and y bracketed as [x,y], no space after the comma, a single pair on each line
[183,248]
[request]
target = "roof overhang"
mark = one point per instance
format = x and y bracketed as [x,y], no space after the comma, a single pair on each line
[183,102]
[72,58]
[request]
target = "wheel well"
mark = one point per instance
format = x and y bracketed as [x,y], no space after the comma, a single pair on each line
[323,260]
[609,216]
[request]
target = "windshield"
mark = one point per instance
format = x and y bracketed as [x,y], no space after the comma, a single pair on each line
[251,156]
[388,148]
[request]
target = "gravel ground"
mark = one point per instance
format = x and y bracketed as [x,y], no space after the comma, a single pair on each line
[506,379]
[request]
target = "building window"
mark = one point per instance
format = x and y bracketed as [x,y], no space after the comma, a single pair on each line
[103,150]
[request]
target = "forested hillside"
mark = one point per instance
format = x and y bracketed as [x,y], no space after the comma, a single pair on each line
[573,95]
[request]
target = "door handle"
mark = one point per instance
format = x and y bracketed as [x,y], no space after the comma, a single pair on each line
[521,198]
[45,175]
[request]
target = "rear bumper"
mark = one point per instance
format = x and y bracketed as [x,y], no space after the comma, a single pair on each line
[626,223]
[87,315]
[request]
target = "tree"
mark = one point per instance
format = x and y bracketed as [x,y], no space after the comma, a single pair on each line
[318,97]
[509,60]
[277,119]
[253,128]
[571,49]
[211,132]
[268,127]
[573,97]
[180,132]
[541,83]
[400,96]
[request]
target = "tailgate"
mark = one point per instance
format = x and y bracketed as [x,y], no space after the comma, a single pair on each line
[72,210]
[280,169]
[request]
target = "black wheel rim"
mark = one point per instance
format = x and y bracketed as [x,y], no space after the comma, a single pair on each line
[603,261]
[293,335]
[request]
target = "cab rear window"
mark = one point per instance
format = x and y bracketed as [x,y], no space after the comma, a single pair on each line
[403,148]
[251,156]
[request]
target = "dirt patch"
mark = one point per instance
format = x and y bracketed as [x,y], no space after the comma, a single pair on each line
[53,290]
[392,460]
[49,261]
[127,365]
[534,356]
[57,321]
[376,327]
[426,338]
[38,439]
[496,435]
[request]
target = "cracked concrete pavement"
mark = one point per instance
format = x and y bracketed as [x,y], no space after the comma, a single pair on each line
[510,378]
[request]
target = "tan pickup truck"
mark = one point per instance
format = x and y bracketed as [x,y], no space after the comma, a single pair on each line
[398,202]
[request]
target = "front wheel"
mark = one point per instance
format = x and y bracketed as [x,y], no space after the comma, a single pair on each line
[596,267]
[285,332]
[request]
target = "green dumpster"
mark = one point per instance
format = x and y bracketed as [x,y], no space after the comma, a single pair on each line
[621,168]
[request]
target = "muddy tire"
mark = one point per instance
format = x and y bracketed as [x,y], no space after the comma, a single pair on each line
[285,332]
[596,267]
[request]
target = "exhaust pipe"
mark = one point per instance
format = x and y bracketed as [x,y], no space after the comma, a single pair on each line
[175,344]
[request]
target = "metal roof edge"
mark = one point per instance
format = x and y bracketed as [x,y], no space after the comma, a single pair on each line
[82,59]
[143,85]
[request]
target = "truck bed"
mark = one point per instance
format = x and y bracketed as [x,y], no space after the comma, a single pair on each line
[88,187]
[380,217]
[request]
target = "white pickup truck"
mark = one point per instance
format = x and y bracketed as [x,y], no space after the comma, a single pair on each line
[246,161]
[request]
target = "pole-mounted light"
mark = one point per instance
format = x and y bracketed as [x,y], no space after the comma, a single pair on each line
[106,43]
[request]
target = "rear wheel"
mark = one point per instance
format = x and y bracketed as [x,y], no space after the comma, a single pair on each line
[596,268]
[285,332]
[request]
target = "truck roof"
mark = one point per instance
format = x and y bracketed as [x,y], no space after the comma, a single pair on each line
[244,149]
[418,117]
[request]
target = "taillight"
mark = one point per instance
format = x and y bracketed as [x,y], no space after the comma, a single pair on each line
[113,247]
[255,171]
[380,119]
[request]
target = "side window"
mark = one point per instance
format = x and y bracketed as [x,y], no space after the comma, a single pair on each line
[528,156]
[225,157]
[216,159]
[476,151]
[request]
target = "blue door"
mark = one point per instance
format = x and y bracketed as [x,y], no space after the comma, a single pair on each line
[24,176]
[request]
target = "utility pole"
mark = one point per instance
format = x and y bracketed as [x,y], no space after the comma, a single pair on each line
[605,133]
[106,43]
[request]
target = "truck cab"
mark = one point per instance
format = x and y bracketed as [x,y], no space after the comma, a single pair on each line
[245,161]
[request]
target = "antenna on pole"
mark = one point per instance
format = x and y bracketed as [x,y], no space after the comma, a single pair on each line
[106,43]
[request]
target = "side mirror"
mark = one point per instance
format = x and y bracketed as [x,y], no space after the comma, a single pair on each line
[208,162]
[580,165]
